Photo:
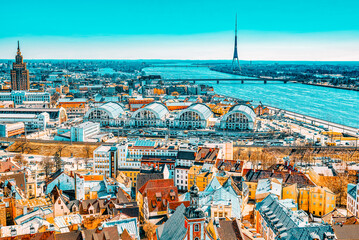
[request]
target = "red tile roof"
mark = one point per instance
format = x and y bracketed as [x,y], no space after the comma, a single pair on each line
[159,192]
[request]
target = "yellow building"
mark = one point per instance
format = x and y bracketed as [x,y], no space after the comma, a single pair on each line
[315,200]
[321,201]
[131,174]
[202,178]
[252,186]
[290,192]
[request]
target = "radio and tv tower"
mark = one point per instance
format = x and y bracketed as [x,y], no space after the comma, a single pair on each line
[235,61]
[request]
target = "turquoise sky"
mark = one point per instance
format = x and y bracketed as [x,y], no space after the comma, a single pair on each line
[186,29]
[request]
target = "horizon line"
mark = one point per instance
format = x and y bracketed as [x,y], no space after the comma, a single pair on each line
[159,59]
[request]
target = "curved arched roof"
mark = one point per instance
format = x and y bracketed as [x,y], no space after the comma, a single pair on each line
[159,109]
[202,109]
[244,109]
[113,109]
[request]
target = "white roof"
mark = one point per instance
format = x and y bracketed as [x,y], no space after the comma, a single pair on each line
[201,109]
[159,109]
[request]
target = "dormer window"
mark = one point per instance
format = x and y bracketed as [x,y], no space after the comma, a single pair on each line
[13,232]
[32,229]
[158,197]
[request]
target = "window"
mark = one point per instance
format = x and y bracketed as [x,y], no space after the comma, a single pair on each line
[196,228]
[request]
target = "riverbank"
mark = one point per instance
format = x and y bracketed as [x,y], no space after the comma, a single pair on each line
[330,104]
[335,127]
[331,86]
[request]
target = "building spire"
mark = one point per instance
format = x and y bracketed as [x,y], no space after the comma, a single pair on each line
[18,46]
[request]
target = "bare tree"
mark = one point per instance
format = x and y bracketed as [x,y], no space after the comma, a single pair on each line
[77,162]
[19,158]
[60,149]
[54,98]
[87,150]
[47,164]
[338,185]
[57,161]
[150,229]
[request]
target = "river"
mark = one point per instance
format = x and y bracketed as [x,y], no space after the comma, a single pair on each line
[335,105]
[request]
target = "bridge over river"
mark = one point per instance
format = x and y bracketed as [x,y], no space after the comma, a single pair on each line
[218,80]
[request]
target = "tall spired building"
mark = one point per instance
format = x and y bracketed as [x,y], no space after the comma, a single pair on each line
[19,73]
[235,61]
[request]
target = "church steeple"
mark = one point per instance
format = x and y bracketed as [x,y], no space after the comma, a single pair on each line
[194,211]
[194,216]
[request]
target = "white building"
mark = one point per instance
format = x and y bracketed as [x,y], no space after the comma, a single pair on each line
[195,116]
[152,115]
[185,160]
[84,131]
[239,117]
[19,97]
[31,121]
[107,114]
[108,159]
[11,129]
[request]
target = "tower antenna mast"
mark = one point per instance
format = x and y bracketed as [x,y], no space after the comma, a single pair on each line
[235,61]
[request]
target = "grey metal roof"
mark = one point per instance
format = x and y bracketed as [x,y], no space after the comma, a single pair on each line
[308,233]
[174,227]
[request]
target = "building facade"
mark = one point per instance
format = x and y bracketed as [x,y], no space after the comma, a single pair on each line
[31,121]
[107,159]
[239,117]
[19,73]
[21,97]
[84,131]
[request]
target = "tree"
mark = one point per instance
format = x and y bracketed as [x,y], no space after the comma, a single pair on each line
[47,164]
[150,229]
[54,98]
[19,158]
[77,162]
[338,185]
[57,161]
[87,150]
